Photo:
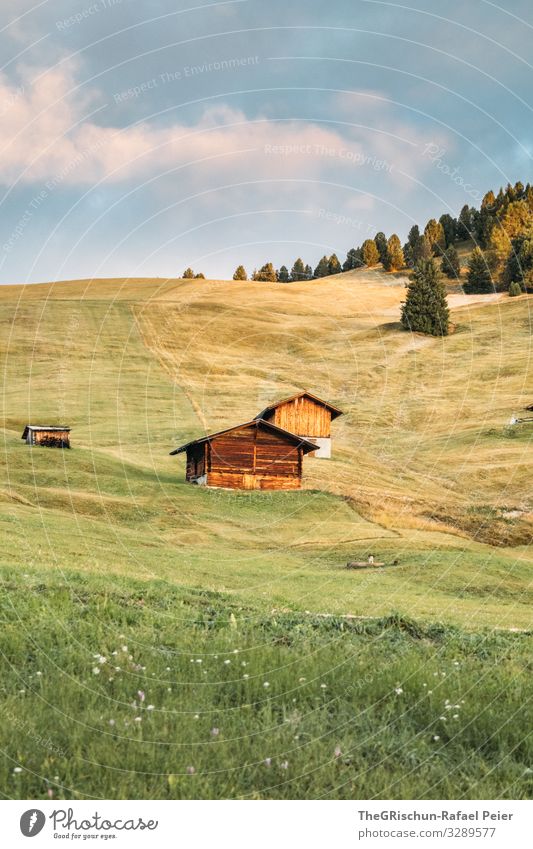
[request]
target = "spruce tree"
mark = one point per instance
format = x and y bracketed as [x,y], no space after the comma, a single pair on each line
[322,269]
[479,281]
[425,309]
[381,244]
[450,265]
[334,266]
[298,270]
[240,273]
[370,253]
[283,274]
[394,259]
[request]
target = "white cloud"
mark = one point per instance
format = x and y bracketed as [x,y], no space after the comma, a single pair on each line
[46,136]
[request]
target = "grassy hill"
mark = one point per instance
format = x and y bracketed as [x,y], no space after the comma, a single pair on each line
[106,544]
[424,470]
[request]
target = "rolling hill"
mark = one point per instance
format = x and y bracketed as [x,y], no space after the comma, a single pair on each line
[425,470]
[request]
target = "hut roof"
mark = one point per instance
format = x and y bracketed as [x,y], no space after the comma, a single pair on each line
[335,412]
[287,435]
[44,427]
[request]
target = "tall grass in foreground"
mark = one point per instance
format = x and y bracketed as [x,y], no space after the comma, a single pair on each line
[121,689]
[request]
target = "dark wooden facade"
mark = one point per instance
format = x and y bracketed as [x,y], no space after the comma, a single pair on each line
[254,455]
[48,436]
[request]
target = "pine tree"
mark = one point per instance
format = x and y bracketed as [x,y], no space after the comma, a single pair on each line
[450,265]
[322,269]
[240,273]
[435,235]
[334,266]
[381,244]
[188,274]
[308,272]
[283,274]
[464,224]
[479,281]
[298,270]
[425,309]
[370,253]
[485,219]
[519,264]
[394,259]
[353,260]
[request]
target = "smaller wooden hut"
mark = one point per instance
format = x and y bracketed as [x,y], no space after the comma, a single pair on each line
[305,415]
[253,455]
[49,436]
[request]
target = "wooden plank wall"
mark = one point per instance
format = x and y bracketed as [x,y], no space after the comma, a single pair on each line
[54,438]
[304,417]
[253,458]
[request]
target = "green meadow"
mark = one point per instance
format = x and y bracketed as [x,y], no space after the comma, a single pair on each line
[106,546]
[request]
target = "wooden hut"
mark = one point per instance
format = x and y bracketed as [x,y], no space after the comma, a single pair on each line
[49,436]
[305,415]
[253,455]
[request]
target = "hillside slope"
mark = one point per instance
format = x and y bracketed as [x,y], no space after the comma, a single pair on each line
[424,470]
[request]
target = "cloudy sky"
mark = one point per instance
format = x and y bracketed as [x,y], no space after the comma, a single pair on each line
[142,136]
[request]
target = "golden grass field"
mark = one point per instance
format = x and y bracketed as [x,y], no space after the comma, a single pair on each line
[425,469]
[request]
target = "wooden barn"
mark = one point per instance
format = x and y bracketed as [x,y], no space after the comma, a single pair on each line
[253,455]
[49,436]
[305,415]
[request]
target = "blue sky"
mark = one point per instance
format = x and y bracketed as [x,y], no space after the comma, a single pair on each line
[142,137]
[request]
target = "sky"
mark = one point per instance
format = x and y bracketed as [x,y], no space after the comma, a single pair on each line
[139,138]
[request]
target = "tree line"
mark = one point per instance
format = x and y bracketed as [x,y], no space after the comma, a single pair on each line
[502,258]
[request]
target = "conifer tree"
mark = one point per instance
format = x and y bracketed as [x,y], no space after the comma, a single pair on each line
[188,274]
[519,265]
[450,265]
[334,266]
[370,253]
[283,274]
[479,281]
[425,309]
[308,272]
[322,269]
[394,259]
[464,224]
[449,226]
[266,273]
[298,270]
[381,244]
[353,260]
[434,233]
[240,273]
